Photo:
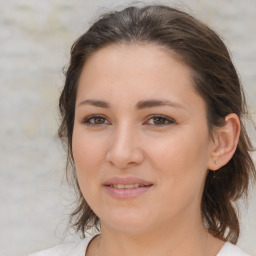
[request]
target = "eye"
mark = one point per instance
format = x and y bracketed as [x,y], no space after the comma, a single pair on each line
[95,120]
[160,120]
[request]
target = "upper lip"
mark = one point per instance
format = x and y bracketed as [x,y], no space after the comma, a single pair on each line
[126,181]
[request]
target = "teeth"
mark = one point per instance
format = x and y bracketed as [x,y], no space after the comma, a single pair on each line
[121,186]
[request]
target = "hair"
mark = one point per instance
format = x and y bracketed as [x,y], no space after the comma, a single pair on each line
[215,79]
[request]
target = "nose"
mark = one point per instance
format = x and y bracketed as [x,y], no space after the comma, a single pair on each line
[125,151]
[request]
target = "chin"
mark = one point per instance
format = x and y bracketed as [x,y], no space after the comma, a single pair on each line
[128,223]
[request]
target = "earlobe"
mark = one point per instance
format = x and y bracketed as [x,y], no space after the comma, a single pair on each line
[225,142]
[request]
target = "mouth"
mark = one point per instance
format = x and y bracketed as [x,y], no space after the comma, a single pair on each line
[126,188]
[129,186]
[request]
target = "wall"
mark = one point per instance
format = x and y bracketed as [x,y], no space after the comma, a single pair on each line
[35,39]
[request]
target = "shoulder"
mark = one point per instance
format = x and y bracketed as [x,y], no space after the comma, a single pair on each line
[67,249]
[231,250]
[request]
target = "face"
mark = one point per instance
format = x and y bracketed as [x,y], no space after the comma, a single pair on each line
[141,143]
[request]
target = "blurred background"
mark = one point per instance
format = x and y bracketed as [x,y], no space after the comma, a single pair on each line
[35,39]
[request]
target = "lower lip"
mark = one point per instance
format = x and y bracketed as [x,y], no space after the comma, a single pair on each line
[126,193]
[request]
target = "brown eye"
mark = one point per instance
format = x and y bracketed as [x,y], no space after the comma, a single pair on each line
[159,120]
[98,120]
[95,120]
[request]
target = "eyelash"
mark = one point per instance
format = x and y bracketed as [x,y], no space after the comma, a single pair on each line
[164,119]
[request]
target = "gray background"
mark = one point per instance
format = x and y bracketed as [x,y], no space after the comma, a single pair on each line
[35,38]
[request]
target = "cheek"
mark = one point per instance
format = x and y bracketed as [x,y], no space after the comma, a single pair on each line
[180,151]
[182,158]
[88,155]
[181,173]
[87,148]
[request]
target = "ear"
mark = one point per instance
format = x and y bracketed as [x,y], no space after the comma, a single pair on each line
[224,142]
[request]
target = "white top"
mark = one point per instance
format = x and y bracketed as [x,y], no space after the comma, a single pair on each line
[79,249]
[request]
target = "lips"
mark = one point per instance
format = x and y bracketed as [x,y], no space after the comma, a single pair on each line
[125,188]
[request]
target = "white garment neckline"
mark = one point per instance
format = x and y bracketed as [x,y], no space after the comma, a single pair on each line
[226,248]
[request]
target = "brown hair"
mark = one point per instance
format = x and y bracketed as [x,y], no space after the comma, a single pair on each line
[215,79]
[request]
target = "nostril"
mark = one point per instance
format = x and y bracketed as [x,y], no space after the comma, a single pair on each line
[124,157]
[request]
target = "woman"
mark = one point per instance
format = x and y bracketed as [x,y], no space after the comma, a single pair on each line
[152,113]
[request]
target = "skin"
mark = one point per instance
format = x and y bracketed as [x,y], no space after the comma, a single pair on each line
[120,137]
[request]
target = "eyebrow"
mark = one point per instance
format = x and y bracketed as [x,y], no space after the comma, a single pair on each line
[140,105]
[156,103]
[96,103]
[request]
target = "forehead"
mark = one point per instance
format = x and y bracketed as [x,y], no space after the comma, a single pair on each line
[136,71]
[137,60]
